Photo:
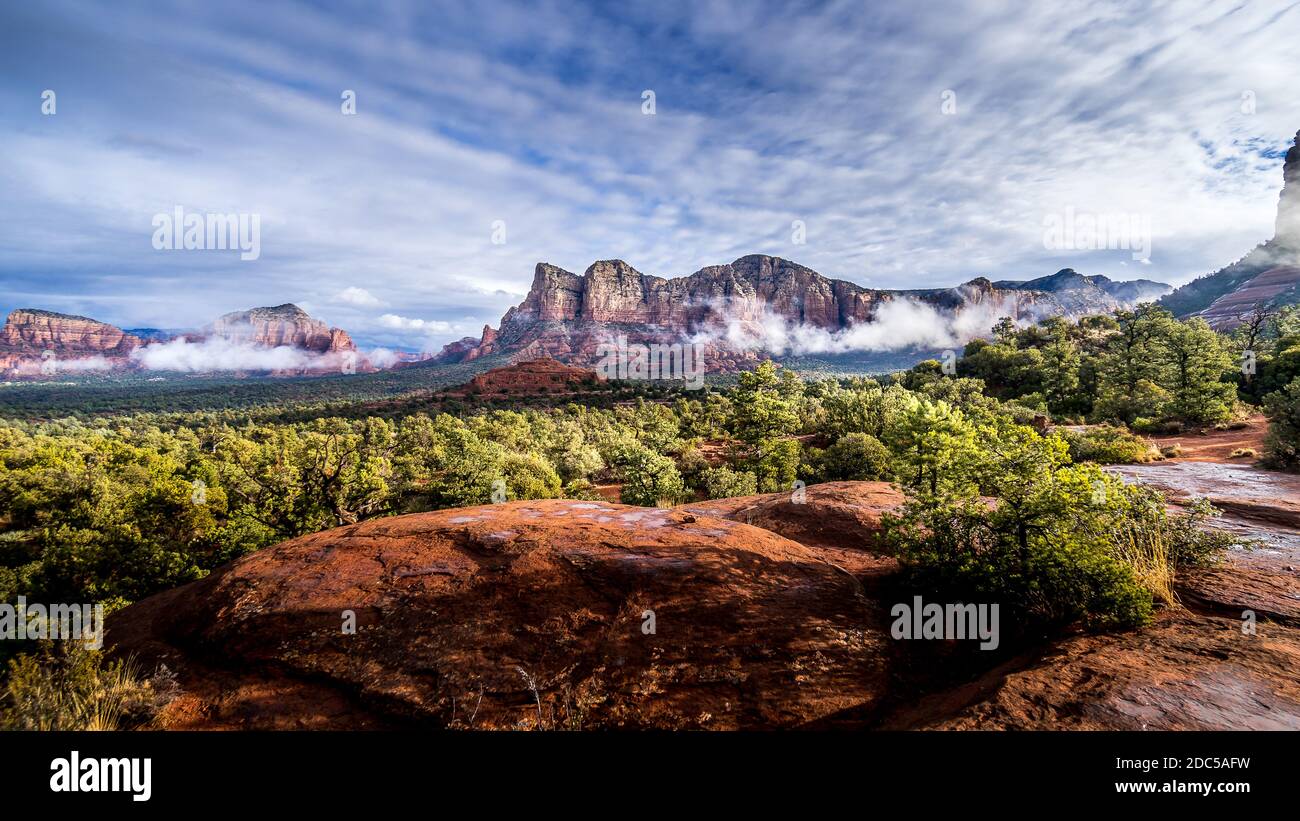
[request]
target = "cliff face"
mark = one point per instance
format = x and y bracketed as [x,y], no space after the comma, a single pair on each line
[1267,275]
[1288,209]
[567,316]
[30,337]
[282,325]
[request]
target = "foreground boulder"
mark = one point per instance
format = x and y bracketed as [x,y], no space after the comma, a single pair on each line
[565,614]
[1189,671]
[548,614]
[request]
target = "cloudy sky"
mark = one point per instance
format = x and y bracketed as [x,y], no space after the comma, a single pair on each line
[918,144]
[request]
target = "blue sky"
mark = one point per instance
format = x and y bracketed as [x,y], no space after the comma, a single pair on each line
[531,114]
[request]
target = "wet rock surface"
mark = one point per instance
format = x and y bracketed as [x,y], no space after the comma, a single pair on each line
[766,613]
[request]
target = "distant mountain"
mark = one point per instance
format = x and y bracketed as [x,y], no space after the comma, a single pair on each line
[38,343]
[1090,294]
[1268,274]
[35,342]
[761,305]
[153,334]
[281,325]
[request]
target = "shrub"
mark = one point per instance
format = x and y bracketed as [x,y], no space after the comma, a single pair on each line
[723,482]
[1107,445]
[855,456]
[528,476]
[963,554]
[649,478]
[1282,444]
[70,686]
[1240,453]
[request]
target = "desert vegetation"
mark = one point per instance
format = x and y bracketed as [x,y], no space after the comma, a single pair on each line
[113,508]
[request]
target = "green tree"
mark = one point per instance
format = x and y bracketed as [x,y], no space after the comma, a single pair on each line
[1282,443]
[935,448]
[1134,366]
[649,479]
[855,457]
[1198,360]
[722,483]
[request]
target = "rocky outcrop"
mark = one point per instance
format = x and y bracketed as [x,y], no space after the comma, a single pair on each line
[551,614]
[563,614]
[833,515]
[1287,229]
[282,325]
[539,376]
[1265,276]
[568,316]
[33,339]
[1273,286]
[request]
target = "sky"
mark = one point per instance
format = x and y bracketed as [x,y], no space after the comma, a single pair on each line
[893,144]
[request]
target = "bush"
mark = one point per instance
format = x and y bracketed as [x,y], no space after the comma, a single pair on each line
[1045,583]
[528,476]
[649,479]
[723,483]
[70,686]
[1282,444]
[855,456]
[1108,445]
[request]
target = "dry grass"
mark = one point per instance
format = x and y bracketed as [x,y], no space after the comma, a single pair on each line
[1146,551]
[72,687]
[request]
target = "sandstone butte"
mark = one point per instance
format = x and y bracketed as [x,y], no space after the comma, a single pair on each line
[538,376]
[739,613]
[282,325]
[28,335]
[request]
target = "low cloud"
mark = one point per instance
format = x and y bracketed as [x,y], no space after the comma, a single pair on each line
[220,354]
[54,367]
[382,358]
[900,324]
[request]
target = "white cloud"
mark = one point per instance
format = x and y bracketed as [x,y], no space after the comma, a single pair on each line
[402,323]
[900,324]
[360,297]
[216,353]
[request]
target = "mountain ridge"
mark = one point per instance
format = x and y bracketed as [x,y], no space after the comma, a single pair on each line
[569,316]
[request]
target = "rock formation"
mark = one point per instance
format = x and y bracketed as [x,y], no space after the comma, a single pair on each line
[567,316]
[539,376]
[282,325]
[552,614]
[1287,229]
[33,338]
[1269,274]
